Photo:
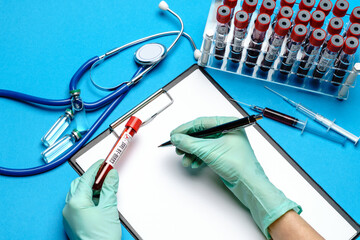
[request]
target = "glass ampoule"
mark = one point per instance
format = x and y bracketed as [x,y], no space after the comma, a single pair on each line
[78,108]
[58,128]
[60,146]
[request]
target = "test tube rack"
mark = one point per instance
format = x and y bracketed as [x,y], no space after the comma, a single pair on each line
[323,86]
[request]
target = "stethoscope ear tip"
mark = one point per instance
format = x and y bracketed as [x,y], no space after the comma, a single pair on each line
[163,6]
[197,54]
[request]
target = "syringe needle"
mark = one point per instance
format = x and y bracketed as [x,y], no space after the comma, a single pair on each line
[282,96]
[291,102]
[242,103]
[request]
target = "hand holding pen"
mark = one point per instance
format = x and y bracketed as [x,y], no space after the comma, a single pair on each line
[222,128]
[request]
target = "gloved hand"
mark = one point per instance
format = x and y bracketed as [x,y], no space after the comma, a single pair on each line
[230,156]
[82,219]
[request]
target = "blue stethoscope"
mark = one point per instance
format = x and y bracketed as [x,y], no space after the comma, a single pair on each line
[147,56]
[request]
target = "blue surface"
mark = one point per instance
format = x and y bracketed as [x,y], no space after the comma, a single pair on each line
[44,43]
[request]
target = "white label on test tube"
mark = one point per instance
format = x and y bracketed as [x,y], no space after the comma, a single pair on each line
[118,149]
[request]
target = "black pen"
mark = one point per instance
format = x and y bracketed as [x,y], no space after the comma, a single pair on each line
[227,127]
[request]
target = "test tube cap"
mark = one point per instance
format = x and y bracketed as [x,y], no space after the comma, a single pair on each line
[241,19]
[262,22]
[325,6]
[223,14]
[336,43]
[306,4]
[298,34]
[268,7]
[335,26]
[317,19]
[303,17]
[354,30]
[340,8]
[351,45]
[70,113]
[134,123]
[317,37]
[230,3]
[285,12]
[355,15]
[282,26]
[249,6]
[289,3]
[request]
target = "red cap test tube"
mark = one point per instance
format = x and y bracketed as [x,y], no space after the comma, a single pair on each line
[303,17]
[241,23]
[325,6]
[354,30]
[289,3]
[249,6]
[355,15]
[285,12]
[340,8]
[268,7]
[306,5]
[131,127]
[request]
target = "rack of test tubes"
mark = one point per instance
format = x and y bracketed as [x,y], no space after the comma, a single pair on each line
[309,45]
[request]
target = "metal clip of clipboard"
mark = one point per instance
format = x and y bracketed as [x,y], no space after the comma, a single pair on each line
[142,105]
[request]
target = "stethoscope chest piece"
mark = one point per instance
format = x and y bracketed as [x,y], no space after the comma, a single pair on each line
[150,53]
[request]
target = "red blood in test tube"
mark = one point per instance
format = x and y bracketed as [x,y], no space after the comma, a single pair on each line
[336,43]
[317,37]
[289,3]
[355,15]
[241,19]
[298,34]
[285,12]
[131,127]
[303,17]
[306,5]
[262,22]
[268,7]
[223,14]
[282,26]
[335,26]
[351,45]
[230,3]
[249,6]
[325,6]
[317,19]
[354,30]
[340,8]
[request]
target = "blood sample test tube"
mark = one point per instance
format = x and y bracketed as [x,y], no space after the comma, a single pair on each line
[335,26]
[293,46]
[249,6]
[241,23]
[306,5]
[340,8]
[328,55]
[317,21]
[354,18]
[350,79]
[284,12]
[325,6]
[222,29]
[275,41]
[302,17]
[257,38]
[289,3]
[268,7]
[354,30]
[355,15]
[131,127]
[231,4]
[344,59]
[310,51]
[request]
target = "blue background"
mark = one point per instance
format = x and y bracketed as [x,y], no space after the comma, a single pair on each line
[44,42]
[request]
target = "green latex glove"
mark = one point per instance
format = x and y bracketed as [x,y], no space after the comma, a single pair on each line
[231,157]
[83,219]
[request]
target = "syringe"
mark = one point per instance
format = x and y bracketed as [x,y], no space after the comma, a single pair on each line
[296,123]
[318,118]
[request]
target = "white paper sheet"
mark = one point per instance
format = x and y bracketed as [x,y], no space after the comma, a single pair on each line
[162,200]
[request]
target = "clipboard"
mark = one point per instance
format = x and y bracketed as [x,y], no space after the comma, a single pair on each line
[194,204]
